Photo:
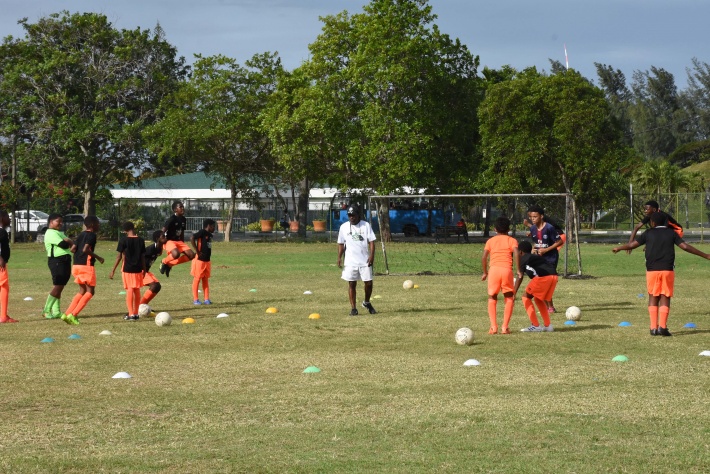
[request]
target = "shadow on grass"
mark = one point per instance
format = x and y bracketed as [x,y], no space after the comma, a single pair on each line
[609,306]
[691,332]
[593,327]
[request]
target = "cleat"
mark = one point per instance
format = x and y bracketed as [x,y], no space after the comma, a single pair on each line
[52,315]
[654,332]
[505,331]
[533,329]
[353,312]
[8,320]
[663,332]
[207,302]
[69,319]
[196,302]
[493,331]
[131,317]
[548,328]
[165,269]
[367,305]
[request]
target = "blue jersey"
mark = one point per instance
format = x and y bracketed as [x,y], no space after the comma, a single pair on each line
[544,238]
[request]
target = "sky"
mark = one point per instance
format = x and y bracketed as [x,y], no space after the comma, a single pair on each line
[628,35]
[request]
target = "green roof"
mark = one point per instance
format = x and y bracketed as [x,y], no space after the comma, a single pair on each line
[197,180]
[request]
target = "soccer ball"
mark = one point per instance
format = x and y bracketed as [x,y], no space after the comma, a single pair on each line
[143,310]
[163,319]
[464,337]
[408,284]
[573,313]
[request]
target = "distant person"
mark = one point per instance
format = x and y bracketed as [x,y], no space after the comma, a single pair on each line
[285,222]
[660,241]
[649,208]
[503,253]
[59,249]
[4,276]
[152,252]
[201,269]
[546,242]
[83,269]
[131,249]
[177,250]
[357,241]
[543,280]
[461,229]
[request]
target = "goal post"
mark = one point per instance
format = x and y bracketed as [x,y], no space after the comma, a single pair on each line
[422,233]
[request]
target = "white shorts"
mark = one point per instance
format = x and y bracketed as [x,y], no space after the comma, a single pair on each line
[357,273]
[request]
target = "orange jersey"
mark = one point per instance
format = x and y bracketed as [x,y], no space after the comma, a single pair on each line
[500,249]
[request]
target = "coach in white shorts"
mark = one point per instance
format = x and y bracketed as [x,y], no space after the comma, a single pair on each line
[357,241]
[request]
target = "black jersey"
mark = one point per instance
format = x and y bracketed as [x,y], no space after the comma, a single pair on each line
[133,250]
[81,258]
[660,244]
[175,227]
[4,245]
[151,255]
[203,241]
[668,221]
[536,265]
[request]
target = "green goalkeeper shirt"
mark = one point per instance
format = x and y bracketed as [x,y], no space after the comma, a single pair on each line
[52,241]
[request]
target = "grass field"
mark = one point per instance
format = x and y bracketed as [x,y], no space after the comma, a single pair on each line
[230,395]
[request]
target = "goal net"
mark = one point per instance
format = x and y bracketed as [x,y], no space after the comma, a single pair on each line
[424,235]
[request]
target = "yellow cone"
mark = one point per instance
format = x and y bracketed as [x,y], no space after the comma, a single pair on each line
[415,286]
[152,314]
[188,321]
[314,316]
[272,310]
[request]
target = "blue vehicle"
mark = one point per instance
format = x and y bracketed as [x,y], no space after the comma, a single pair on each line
[410,222]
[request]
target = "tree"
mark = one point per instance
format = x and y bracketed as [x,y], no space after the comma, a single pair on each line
[613,83]
[213,120]
[547,134]
[87,90]
[405,95]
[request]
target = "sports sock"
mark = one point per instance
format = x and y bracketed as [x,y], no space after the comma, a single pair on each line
[82,303]
[72,305]
[147,296]
[183,258]
[56,306]
[492,305]
[653,316]
[129,301]
[206,287]
[4,299]
[48,305]
[136,298]
[663,316]
[508,310]
[542,307]
[530,309]
[195,286]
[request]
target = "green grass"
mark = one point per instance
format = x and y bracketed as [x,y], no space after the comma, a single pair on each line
[229,395]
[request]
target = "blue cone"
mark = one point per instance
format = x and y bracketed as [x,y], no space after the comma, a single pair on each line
[570,323]
[47,339]
[690,325]
[641,295]
[75,336]
[624,324]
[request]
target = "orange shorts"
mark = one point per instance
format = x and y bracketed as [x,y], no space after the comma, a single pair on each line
[176,244]
[500,279]
[542,287]
[84,274]
[149,278]
[200,269]
[132,280]
[660,282]
[5,278]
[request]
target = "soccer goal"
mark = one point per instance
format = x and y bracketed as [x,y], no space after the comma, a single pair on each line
[428,234]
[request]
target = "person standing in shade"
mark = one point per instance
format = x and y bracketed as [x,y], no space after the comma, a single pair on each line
[356,241]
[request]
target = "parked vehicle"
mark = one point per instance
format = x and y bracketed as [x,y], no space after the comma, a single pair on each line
[410,222]
[70,220]
[32,221]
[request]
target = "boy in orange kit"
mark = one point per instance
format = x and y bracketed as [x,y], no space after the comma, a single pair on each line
[201,269]
[4,278]
[83,269]
[503,251]
[131,249]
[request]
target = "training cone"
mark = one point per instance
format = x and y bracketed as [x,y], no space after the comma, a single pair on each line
[121,375]
[307,292]
[641,295]
[121,292]
[28,298]
[377,297]
[74,336]
[105,332]
[188,321]
[620,358]
[705,353]
[272,310]
[311,370]
[690,325]
[570,323]
[314,316]
[624,324]
[471,362]
[47,339]
[222,315]
[253,290]
[415,286]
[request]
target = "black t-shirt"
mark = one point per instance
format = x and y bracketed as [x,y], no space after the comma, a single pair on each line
[536,265]
[668,220]
[151,255]
[4,245]
[203,240]
[175,227]
[660,248]
[81,258]
[133,250]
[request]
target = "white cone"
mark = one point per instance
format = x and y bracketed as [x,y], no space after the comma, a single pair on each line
[471,362]
[28,298]
[121,375]
[222,315]
[307,292]
[705,353]
[105,332]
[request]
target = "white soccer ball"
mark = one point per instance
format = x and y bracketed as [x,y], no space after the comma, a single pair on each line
[408,284]
[163,319]
[143,310]
[573,313]
[464,337]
